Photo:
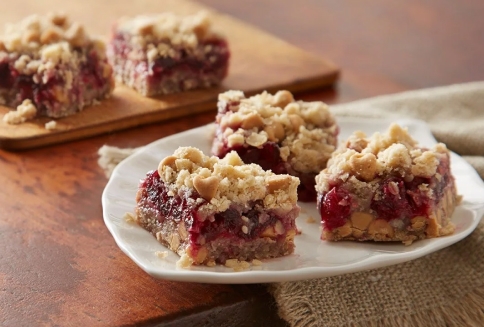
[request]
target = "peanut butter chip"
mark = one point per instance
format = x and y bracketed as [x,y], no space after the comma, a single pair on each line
[206,187]
[361,220]
[382,228]
[364,166]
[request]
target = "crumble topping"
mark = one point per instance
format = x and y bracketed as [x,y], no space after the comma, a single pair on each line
[35,31]
[222,182]
[361,159]
[177,30]
[161,254]
[129,217]
[306,131]
[38,43]
[51,125]
[25,111]
[185,262]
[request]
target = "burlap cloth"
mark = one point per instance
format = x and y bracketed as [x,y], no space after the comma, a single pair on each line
[445,288]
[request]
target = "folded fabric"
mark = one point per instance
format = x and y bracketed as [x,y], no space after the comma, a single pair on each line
[445,288]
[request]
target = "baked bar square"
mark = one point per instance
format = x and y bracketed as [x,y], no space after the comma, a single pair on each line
[386,188]
[210,210]
[167,53]
[277,133]
[52,62]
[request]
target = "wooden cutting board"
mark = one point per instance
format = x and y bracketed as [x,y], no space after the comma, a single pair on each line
[259,61]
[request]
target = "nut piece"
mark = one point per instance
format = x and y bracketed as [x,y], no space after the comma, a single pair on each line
[76,35]
[282,98]
[278,182]
[364,166]
[361,220]
[206,187]
[168,161]
[50,36]
[382,228]
[30,36]
[275,131]
[252,120]
[145,29]
[296,122]
[58,19]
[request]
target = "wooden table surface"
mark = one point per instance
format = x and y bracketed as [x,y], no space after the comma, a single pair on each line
[59,266]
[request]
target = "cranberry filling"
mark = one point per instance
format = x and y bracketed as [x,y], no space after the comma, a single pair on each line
[335,208]
[6,77]
[406,201]
[43,94]
[227,224]
[167,66]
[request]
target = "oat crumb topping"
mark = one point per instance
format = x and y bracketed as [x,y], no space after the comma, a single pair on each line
[38,43]
[178,30]
[363,159]
[185,262]
[25,111]
[161,254]
[36,31]
[51,125]
[129,217]
[222,182]
[305,131]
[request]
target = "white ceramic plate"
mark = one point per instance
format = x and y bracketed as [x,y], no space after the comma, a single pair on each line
[312,258]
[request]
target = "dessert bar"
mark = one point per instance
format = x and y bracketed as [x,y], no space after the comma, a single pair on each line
[386,188]
[167,53]
[210,210]
[55,64]
[278,133]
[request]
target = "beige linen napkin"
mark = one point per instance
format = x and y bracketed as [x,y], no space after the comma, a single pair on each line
[445,288]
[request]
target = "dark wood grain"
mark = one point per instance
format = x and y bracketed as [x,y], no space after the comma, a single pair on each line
[250,47]
[59,266]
